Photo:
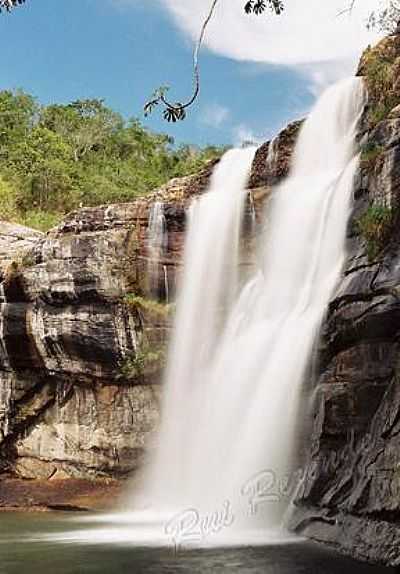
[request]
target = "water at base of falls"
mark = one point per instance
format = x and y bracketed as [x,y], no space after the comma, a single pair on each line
[222,471]
[20,553]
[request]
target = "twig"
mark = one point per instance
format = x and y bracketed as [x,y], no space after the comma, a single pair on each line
[196,70]
[176,111]
[348,10]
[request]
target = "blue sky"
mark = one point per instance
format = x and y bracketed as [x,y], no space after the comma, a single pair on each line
[120,50]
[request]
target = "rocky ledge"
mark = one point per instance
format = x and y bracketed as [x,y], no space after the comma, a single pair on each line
[83,329]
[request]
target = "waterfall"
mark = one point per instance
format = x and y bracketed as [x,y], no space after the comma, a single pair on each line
[157,243]
[237,363]
[222,467]
[207,291]
[166,283]
[253,215]
[272,153]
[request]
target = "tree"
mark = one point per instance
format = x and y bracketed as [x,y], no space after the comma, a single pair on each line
[85,124]
[56,158]
[43,159]
[387,19]
[18,113]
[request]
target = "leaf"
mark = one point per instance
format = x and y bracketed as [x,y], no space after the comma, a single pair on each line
[248,8]
[9,4]
[175,113]
[150,106]
[259,7]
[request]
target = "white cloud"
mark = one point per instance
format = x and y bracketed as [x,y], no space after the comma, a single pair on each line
[322,74]
[214,115]
[309,31]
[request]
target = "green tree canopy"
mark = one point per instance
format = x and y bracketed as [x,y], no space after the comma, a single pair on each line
[56,158]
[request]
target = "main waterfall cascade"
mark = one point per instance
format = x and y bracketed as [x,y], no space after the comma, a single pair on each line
[237,360]
[221,469]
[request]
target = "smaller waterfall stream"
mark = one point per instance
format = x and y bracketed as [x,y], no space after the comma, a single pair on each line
[272,154]
[253,214]
[157,243]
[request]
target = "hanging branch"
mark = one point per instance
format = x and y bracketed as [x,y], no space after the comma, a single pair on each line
[174,112]
[349,9]
[386,20]
[8,5]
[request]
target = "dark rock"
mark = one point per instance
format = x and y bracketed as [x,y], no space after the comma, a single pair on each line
[272,160]
[350,495]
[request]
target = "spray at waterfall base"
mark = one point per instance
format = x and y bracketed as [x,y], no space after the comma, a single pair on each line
[190,528]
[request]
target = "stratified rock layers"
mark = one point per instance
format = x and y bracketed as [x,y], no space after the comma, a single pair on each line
[66,406]
[76,326]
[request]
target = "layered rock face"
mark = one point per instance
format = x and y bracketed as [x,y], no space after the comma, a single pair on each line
[350,496]
[82,341]
[76,398]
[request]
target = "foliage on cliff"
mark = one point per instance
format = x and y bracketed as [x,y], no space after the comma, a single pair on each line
[375,226]
[54,159]
[380,66]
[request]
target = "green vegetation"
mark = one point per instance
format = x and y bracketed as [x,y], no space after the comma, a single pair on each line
[155,309]
[146,361]
[150,357]
[381,67]
[57,158]
[370,154]
[375,225]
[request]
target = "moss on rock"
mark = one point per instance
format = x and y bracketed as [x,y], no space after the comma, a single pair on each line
[380,67]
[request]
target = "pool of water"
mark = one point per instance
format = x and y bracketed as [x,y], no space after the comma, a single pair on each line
[32,544]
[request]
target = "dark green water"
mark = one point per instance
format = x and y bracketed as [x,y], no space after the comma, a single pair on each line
[20,554]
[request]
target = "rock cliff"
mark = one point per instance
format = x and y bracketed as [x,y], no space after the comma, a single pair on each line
[81,340]
[74,319]
[350,496]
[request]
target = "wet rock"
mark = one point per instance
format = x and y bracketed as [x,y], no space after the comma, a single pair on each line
[350,495]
